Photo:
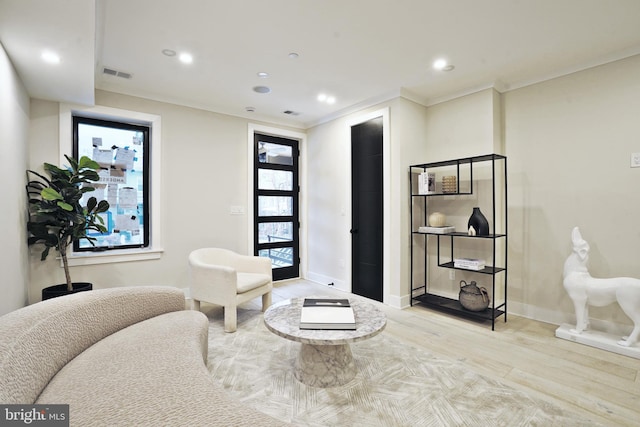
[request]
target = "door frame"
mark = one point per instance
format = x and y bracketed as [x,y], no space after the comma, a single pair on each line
[386,189]
[302,182]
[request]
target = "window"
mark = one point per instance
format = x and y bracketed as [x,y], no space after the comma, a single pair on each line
[122,150]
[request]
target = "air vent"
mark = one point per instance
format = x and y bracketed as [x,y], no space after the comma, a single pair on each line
[291,113]
[116,73]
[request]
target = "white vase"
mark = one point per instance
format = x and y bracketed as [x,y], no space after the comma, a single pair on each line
[437,219]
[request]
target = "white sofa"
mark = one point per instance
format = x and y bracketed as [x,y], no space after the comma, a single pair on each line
[118,357]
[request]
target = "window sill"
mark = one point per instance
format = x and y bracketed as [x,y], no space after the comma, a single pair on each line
[114,256]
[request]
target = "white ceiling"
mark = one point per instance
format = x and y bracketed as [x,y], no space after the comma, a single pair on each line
[360,51]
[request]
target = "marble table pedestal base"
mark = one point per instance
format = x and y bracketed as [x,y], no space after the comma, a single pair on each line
[325,358]
[325,365]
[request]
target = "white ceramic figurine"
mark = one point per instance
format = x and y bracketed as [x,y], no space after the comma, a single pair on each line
[585,290]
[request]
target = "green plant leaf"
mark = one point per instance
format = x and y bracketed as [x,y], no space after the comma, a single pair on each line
[87,163]
[103,206]
[45,253]
[91,204]
[66,206]
[50,194]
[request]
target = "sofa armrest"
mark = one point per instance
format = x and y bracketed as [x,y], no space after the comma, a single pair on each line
[39,340]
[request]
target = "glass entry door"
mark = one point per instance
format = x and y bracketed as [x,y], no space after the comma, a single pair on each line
[276,189]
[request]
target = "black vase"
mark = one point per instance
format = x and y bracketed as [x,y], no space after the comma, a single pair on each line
[61,290]
[478,222]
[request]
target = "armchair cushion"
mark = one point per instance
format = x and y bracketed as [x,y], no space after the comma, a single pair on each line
[249,281]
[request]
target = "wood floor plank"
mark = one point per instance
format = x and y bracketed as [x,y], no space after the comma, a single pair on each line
[605,412]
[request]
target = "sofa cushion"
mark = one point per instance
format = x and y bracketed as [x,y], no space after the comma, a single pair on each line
[38,340]
[249,281]
[150,373]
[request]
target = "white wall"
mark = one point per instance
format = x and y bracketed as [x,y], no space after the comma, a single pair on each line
[569,142]
[463,127]
[14,125]
[204,173]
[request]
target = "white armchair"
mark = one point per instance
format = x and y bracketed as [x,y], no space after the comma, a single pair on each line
[223,277]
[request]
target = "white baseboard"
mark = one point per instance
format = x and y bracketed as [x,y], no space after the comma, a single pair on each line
[398,302]
[321,279]
[559,318]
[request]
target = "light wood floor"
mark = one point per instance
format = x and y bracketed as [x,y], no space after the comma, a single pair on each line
[522,353]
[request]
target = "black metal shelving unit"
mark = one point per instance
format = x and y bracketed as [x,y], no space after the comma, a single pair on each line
[421,292]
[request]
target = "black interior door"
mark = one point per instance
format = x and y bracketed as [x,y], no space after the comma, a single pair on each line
[367,208]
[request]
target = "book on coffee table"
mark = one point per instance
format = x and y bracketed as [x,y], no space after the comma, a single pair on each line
[327,313]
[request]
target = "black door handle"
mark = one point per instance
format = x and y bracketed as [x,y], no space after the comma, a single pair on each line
[352,231]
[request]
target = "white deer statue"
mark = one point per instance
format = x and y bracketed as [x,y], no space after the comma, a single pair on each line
[585,290]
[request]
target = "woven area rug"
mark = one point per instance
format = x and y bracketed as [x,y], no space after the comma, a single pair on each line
[396,385]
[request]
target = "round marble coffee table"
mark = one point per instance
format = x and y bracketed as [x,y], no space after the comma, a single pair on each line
[325,358]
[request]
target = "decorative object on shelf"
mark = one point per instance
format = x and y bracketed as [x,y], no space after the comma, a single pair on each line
[479,223]
[449,184]
[469,263]
[585,290]
[427,183]
[437,219]
[437,230]
[472,297]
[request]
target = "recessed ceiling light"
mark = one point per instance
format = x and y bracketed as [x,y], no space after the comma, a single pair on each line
[293,55]
[442,65]
[168,52]
[439,64]
[186,58]
[263,75]
[329,99]
[50,57]
[250,109]
[261,89]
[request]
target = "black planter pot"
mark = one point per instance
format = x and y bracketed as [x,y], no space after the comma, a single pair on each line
[61,290]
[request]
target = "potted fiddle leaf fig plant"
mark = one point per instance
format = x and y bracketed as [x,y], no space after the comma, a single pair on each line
[56,216]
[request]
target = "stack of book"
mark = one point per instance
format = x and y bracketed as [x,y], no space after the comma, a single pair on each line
[469,263]
[437,230]
[327,313]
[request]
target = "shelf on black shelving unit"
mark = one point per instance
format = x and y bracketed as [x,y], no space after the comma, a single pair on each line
[461,161]
[457,193]
[453,306]
[487,270]
[477,236]
[461,234]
